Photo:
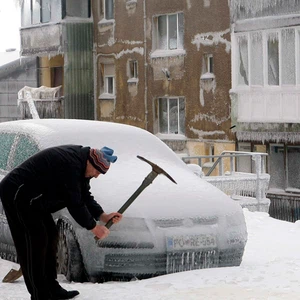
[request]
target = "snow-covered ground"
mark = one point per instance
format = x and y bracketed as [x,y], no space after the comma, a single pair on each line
[270,270]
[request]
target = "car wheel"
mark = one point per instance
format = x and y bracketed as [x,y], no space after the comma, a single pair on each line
[69,258]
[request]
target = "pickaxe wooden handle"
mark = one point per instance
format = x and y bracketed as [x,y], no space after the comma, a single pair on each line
[156,170]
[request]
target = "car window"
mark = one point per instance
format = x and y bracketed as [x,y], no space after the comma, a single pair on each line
[25,148]
[6,141]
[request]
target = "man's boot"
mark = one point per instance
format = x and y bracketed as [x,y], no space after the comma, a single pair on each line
[58,293]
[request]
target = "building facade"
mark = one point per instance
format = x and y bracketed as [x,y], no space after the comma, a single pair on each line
[60,34]
[165,66]
[266,87]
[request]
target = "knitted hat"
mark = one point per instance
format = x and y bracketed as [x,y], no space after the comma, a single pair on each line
[101,159]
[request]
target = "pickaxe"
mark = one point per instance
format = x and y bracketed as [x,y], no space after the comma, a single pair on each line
[156,170]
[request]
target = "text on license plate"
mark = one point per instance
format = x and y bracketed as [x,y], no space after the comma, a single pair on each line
[183,242]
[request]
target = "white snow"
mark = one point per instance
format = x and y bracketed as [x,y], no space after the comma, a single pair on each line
[270,270]
[212,38]
[139,50]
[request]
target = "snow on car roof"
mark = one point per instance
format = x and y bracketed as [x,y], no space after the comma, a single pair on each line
[192,196]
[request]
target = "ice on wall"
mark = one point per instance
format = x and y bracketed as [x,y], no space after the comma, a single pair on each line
[212,38]
[41,94]
[139,50]
[210,118]
[205,134]
[256,59]
[243,9]
[287,137]
[288,60]
[206,3]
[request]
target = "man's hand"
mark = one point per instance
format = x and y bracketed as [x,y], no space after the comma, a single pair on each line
[115,216]
[100,231]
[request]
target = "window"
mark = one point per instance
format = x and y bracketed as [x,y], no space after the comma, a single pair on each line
[133,69]
[211,152]
[25,148]
[109,9]
[243,71]
[256,58]
[268,57]
[108,82]
[171,115]
[6,142]
[284,172]
[293,170]
[169,32]
[78,8]
[273,59]
[276,166]
[109,85]
[289,58]
[208,63]
[44,11]
[207,69]
[35,12]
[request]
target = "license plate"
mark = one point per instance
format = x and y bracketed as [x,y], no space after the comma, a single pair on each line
[190,242]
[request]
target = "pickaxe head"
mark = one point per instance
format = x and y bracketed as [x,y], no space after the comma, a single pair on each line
[155,168]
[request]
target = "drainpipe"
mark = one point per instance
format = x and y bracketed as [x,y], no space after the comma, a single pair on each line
[95,63]
[145,68]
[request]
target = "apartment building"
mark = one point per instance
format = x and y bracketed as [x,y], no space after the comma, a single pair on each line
[60,34]
[266,88]
[165,66]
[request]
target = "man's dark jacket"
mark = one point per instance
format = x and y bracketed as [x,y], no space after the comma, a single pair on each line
[53,179]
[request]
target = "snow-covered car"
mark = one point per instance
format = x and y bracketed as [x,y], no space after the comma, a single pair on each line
[168,228]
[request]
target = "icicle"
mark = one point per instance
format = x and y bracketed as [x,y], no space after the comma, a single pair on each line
[31,105]
[287,137]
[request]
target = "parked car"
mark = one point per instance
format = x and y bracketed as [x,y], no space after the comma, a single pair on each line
[169,228]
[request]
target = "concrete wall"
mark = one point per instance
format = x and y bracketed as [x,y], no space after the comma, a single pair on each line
[13,77]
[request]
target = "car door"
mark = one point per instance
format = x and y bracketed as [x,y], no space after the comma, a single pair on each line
[14,148]
[7,140]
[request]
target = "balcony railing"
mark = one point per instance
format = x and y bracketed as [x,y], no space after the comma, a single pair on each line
[250,189]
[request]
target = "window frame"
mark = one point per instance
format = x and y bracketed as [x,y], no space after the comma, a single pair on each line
[288,174]
[133,69]
[283,82]
[109,80]
[168,121]
[209,63]
[157,50]
[107,73]
[32,15]
[112,17]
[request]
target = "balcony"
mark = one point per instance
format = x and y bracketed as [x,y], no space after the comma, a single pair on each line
[47,26]
[271,105]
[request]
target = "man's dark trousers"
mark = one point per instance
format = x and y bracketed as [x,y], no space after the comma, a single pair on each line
[35,237]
